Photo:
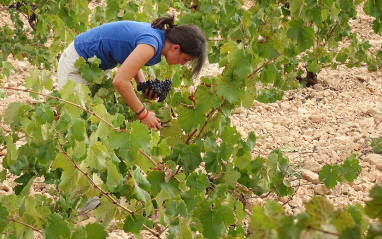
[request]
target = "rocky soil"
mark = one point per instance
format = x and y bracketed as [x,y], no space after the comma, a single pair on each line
[313,126]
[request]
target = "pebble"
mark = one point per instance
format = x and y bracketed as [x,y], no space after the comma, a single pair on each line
[310,176]
[374,159]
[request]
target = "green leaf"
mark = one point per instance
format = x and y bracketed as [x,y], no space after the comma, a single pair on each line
[44,114]
[133,223]
[56,227]
[190,118]
[376,144]
[242,63]
[342,220]
[113,176]
[70,177]
[8,69]
[12,112]
[374,207]
[3,217]
[141,185]
[329,175]
[46,153]
[214,219]
[232,94]
[264,220]
[242,158]
[269,73]
[12,154]
[302,34]
[175,208]
[78,130]
[351,168]
[96,156]
[96,231]
[190,157]
[64,121]
[138,137]
[106,212]
[205,98]
[231,176]
[319,210]
[197,181]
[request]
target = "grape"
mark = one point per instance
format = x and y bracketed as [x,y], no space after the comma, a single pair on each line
[159,88]
[286,5]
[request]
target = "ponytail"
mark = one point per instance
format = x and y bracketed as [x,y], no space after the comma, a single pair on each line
[165,23]
[189,37]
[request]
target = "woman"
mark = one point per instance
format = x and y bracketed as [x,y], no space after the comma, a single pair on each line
[133,45]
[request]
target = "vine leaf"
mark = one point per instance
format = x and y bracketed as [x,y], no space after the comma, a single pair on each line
[56,227]
[264,220]
[242,61]
[214,219]
[96,156]
[197,181]
[190,157]
[319,210]
[190,118]
[229,92]
[374,206]
[141,185]
[329,174]
[302,34]
[113,176]
[96,230]
[3,217]
[133,223]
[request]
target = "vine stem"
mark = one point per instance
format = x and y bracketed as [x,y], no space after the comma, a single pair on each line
[26,225]
[264,65]
[90,180]
[65,101]
[148,157]
[106,194]
[323,231]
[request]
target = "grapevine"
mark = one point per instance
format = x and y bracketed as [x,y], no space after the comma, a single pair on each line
[198,173]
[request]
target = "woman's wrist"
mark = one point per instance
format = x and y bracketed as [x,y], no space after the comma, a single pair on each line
[141,111]
[145,116]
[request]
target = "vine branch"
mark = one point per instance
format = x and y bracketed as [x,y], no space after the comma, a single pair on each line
[90,180]
[264,65]
[65,101]
[26,225]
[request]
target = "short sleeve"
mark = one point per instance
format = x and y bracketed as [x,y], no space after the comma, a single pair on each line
[149,40]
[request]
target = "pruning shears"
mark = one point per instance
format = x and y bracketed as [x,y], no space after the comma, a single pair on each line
[164,123]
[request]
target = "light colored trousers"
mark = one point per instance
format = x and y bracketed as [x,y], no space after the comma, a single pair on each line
[66,70]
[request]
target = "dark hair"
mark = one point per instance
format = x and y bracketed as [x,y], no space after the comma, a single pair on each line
[189,37]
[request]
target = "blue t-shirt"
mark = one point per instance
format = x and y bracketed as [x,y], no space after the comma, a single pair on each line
[113,42]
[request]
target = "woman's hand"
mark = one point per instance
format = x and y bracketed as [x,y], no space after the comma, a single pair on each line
[150,120]
[149,95]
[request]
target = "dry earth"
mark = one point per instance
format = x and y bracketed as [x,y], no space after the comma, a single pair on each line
[313,126]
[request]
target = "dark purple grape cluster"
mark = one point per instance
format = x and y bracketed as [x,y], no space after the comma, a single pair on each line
[160,88]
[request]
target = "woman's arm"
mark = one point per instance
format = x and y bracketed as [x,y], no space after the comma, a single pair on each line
[130,69]
[139,77]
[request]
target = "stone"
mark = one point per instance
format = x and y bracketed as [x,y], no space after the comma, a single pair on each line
[296,203]
[320,189]
[374,159]
[313,165]
[310,176]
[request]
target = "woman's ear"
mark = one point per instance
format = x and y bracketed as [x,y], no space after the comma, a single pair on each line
[175,47]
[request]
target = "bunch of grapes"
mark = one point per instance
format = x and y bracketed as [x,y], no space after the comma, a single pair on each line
[159,88]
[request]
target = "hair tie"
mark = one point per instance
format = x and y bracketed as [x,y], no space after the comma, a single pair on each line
[172,25]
